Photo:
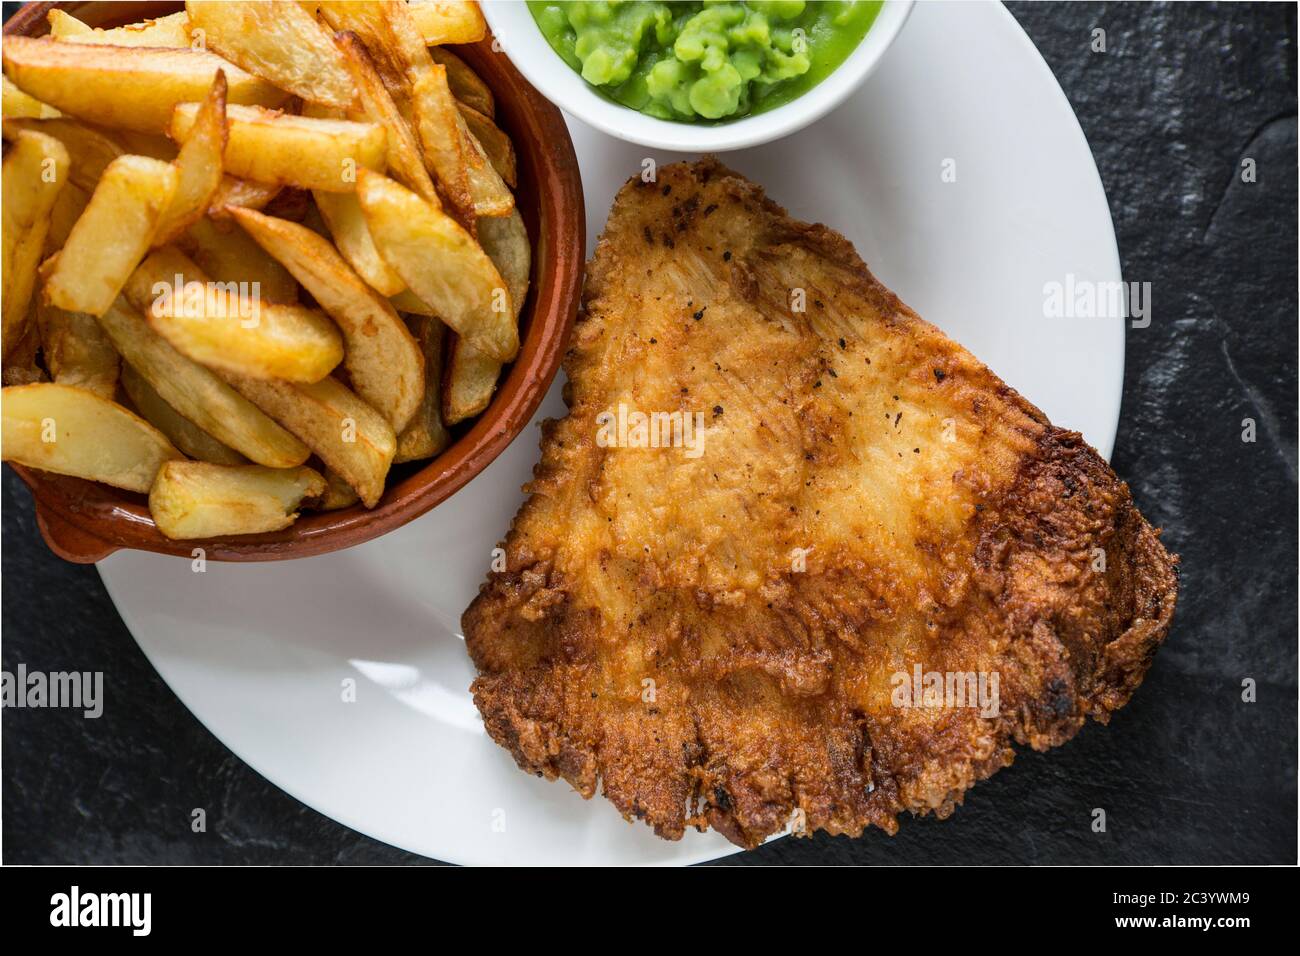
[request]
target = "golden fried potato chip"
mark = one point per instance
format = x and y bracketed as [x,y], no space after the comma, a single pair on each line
[72,431]
[112,235]
[195,499]
[381,358]
[280,42]
[130,87]
[35,171]
[198,394]
[441,264]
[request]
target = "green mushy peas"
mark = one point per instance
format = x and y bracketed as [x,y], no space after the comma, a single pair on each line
[704,61]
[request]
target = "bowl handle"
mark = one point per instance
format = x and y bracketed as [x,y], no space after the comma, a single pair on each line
[70,542]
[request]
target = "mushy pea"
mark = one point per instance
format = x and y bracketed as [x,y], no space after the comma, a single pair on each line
[715,60]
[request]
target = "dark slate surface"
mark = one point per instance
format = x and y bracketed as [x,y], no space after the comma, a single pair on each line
[1187,772]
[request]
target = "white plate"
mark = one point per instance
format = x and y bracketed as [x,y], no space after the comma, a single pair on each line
[260,652]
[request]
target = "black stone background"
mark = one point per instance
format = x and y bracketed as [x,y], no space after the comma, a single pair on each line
[1186,772]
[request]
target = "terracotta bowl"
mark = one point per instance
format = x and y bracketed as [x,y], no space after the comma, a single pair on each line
[83,521]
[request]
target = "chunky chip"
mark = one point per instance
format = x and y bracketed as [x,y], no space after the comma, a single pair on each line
[280,42]
[198,394]
[274,147]
[76,350]
[345,433]
[132,87]
[198,166]
[448,21]
[35,171]
[195,499]
[347,226]
[471,375]
[466,85]
[72,431]
[180,431]
[441,264]
[382,360]
[90,150]
[494,144]
[377,106]
[18,105]
[228,328]
[426,435]
[112,235]
[169,31]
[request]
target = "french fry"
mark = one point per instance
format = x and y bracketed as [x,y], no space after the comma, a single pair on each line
[408,303]
[435,119]
[35,171]
[383,361]
[471,381]
[488,193]
[130,87]
[68,207]
[425,435]
[76,350]
[471,375]
[195,499]
[228,328]
[370,21]
[377,105]
[342,215]
[169,31]
[441,264]
[505,240]
[280,42]
[471,185]
[90,150]
[18,105]
[402,59]
[274,147]
[345,433]
[493,142]
[112,235]
[172,30]
[448,21]
[198,394]
[72,431]
[227,254]
[180,431]
[198,166]
[64,26]
[338,493]
[234,191]
[466,85]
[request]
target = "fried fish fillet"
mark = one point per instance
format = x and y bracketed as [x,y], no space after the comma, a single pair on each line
[729,624]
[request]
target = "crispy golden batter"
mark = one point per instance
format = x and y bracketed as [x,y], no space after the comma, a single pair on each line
[716,638]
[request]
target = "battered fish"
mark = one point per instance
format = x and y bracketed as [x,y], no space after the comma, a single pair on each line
[840,583]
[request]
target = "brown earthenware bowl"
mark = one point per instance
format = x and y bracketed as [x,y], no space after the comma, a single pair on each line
[83,521]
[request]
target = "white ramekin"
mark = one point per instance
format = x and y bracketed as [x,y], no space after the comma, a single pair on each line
[521,40]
